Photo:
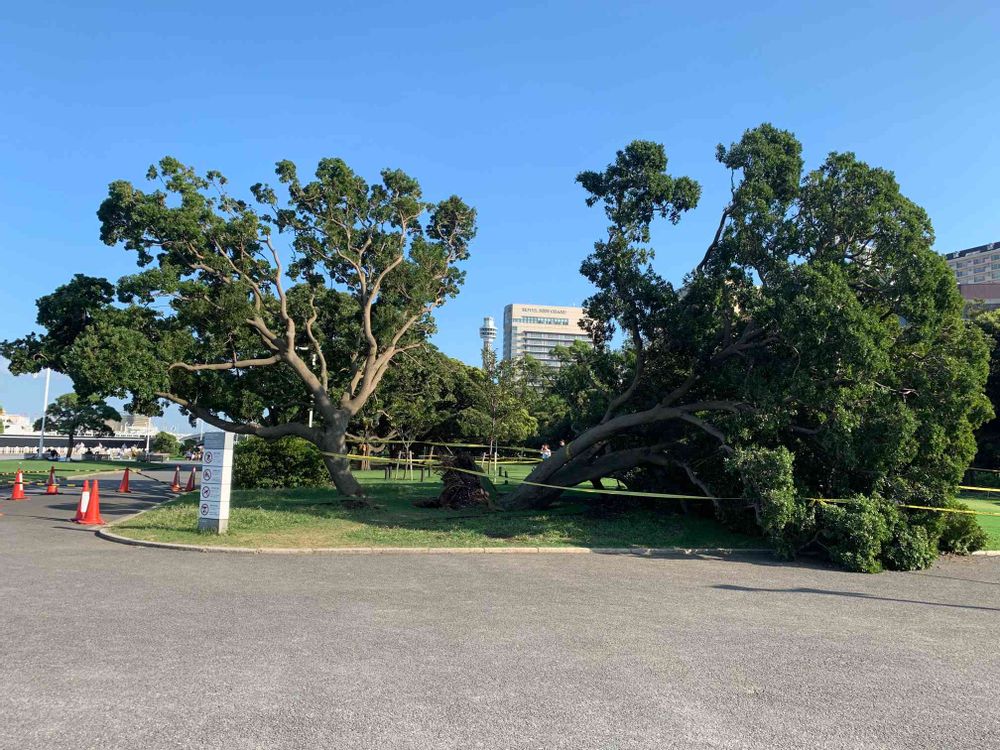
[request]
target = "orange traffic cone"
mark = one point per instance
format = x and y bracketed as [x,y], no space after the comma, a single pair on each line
[92,516]
[52,488]
[190,485]
[175,486]
[123,486]
[81,507]
[18,493]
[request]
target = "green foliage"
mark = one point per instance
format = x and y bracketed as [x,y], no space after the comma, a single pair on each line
[188,444]
[579,392]
[164,442]
[422,398]
[65,314]
[72,415]
[252,315]
[769,486]
[855,533]
[960,533]
[286,462]
[911,547]
[988,435]
[503,392]
[817,350]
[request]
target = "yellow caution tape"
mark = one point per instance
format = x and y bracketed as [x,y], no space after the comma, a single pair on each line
[377,441]
[659,495]
[436,464]
[915,507]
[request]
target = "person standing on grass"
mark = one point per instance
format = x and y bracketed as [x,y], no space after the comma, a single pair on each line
[546,451]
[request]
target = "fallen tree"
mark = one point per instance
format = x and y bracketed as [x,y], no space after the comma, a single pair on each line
[817,349]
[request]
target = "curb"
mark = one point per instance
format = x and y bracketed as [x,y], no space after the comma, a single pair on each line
[633,551]
[987,552]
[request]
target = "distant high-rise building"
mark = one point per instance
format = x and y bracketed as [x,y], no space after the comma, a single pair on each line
[976,265]
[536,330]
[977,270]
[488,331]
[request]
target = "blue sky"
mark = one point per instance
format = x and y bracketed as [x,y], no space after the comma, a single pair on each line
[501,105]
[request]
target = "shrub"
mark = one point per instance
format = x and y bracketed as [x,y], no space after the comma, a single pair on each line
[768,484]
[285,462]
[960,533]
[910,548]
[855,533]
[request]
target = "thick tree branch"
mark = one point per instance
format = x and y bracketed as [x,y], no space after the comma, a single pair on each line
[640,358]
[252,428]
[236,364]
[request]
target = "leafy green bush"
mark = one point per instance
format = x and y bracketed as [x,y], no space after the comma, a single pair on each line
[910,548]
[866,533]
[768,484]
[960,532]
[855,533]
[285,462]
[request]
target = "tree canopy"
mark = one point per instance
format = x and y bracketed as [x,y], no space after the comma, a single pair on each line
[72,415]
[810,376]
[164,442]
[249,314]
[818,349]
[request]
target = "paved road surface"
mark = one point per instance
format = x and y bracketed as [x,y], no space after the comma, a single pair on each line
[108,646]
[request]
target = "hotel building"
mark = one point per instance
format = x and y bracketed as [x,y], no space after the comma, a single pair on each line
[535,330]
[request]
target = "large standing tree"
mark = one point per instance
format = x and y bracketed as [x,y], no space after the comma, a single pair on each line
[71,415]
[247,315]
[817,349]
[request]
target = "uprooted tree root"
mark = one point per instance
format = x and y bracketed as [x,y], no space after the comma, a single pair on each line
[461,488]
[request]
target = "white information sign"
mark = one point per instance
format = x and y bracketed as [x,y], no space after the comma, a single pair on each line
[216,481]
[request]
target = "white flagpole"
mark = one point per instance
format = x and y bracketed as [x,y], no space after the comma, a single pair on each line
[45,406]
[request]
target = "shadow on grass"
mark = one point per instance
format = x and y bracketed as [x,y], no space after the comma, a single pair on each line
[393,520]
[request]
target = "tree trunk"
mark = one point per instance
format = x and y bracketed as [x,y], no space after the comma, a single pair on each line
[583,460]
[526,496]
[334,440]
[69,450]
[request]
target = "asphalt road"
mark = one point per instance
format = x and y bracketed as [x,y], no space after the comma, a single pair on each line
[108,646]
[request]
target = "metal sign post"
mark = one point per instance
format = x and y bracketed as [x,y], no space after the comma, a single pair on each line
[216,482]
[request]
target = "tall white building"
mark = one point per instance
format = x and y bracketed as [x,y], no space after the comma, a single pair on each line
[536,330]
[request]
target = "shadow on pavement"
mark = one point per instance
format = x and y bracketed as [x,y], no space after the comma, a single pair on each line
[849,594]
[954,578]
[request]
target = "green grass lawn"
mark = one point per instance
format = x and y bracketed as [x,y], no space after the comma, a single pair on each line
[991,524]
[316,518]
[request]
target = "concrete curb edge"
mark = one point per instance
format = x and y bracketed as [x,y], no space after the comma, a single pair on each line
[636,551]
